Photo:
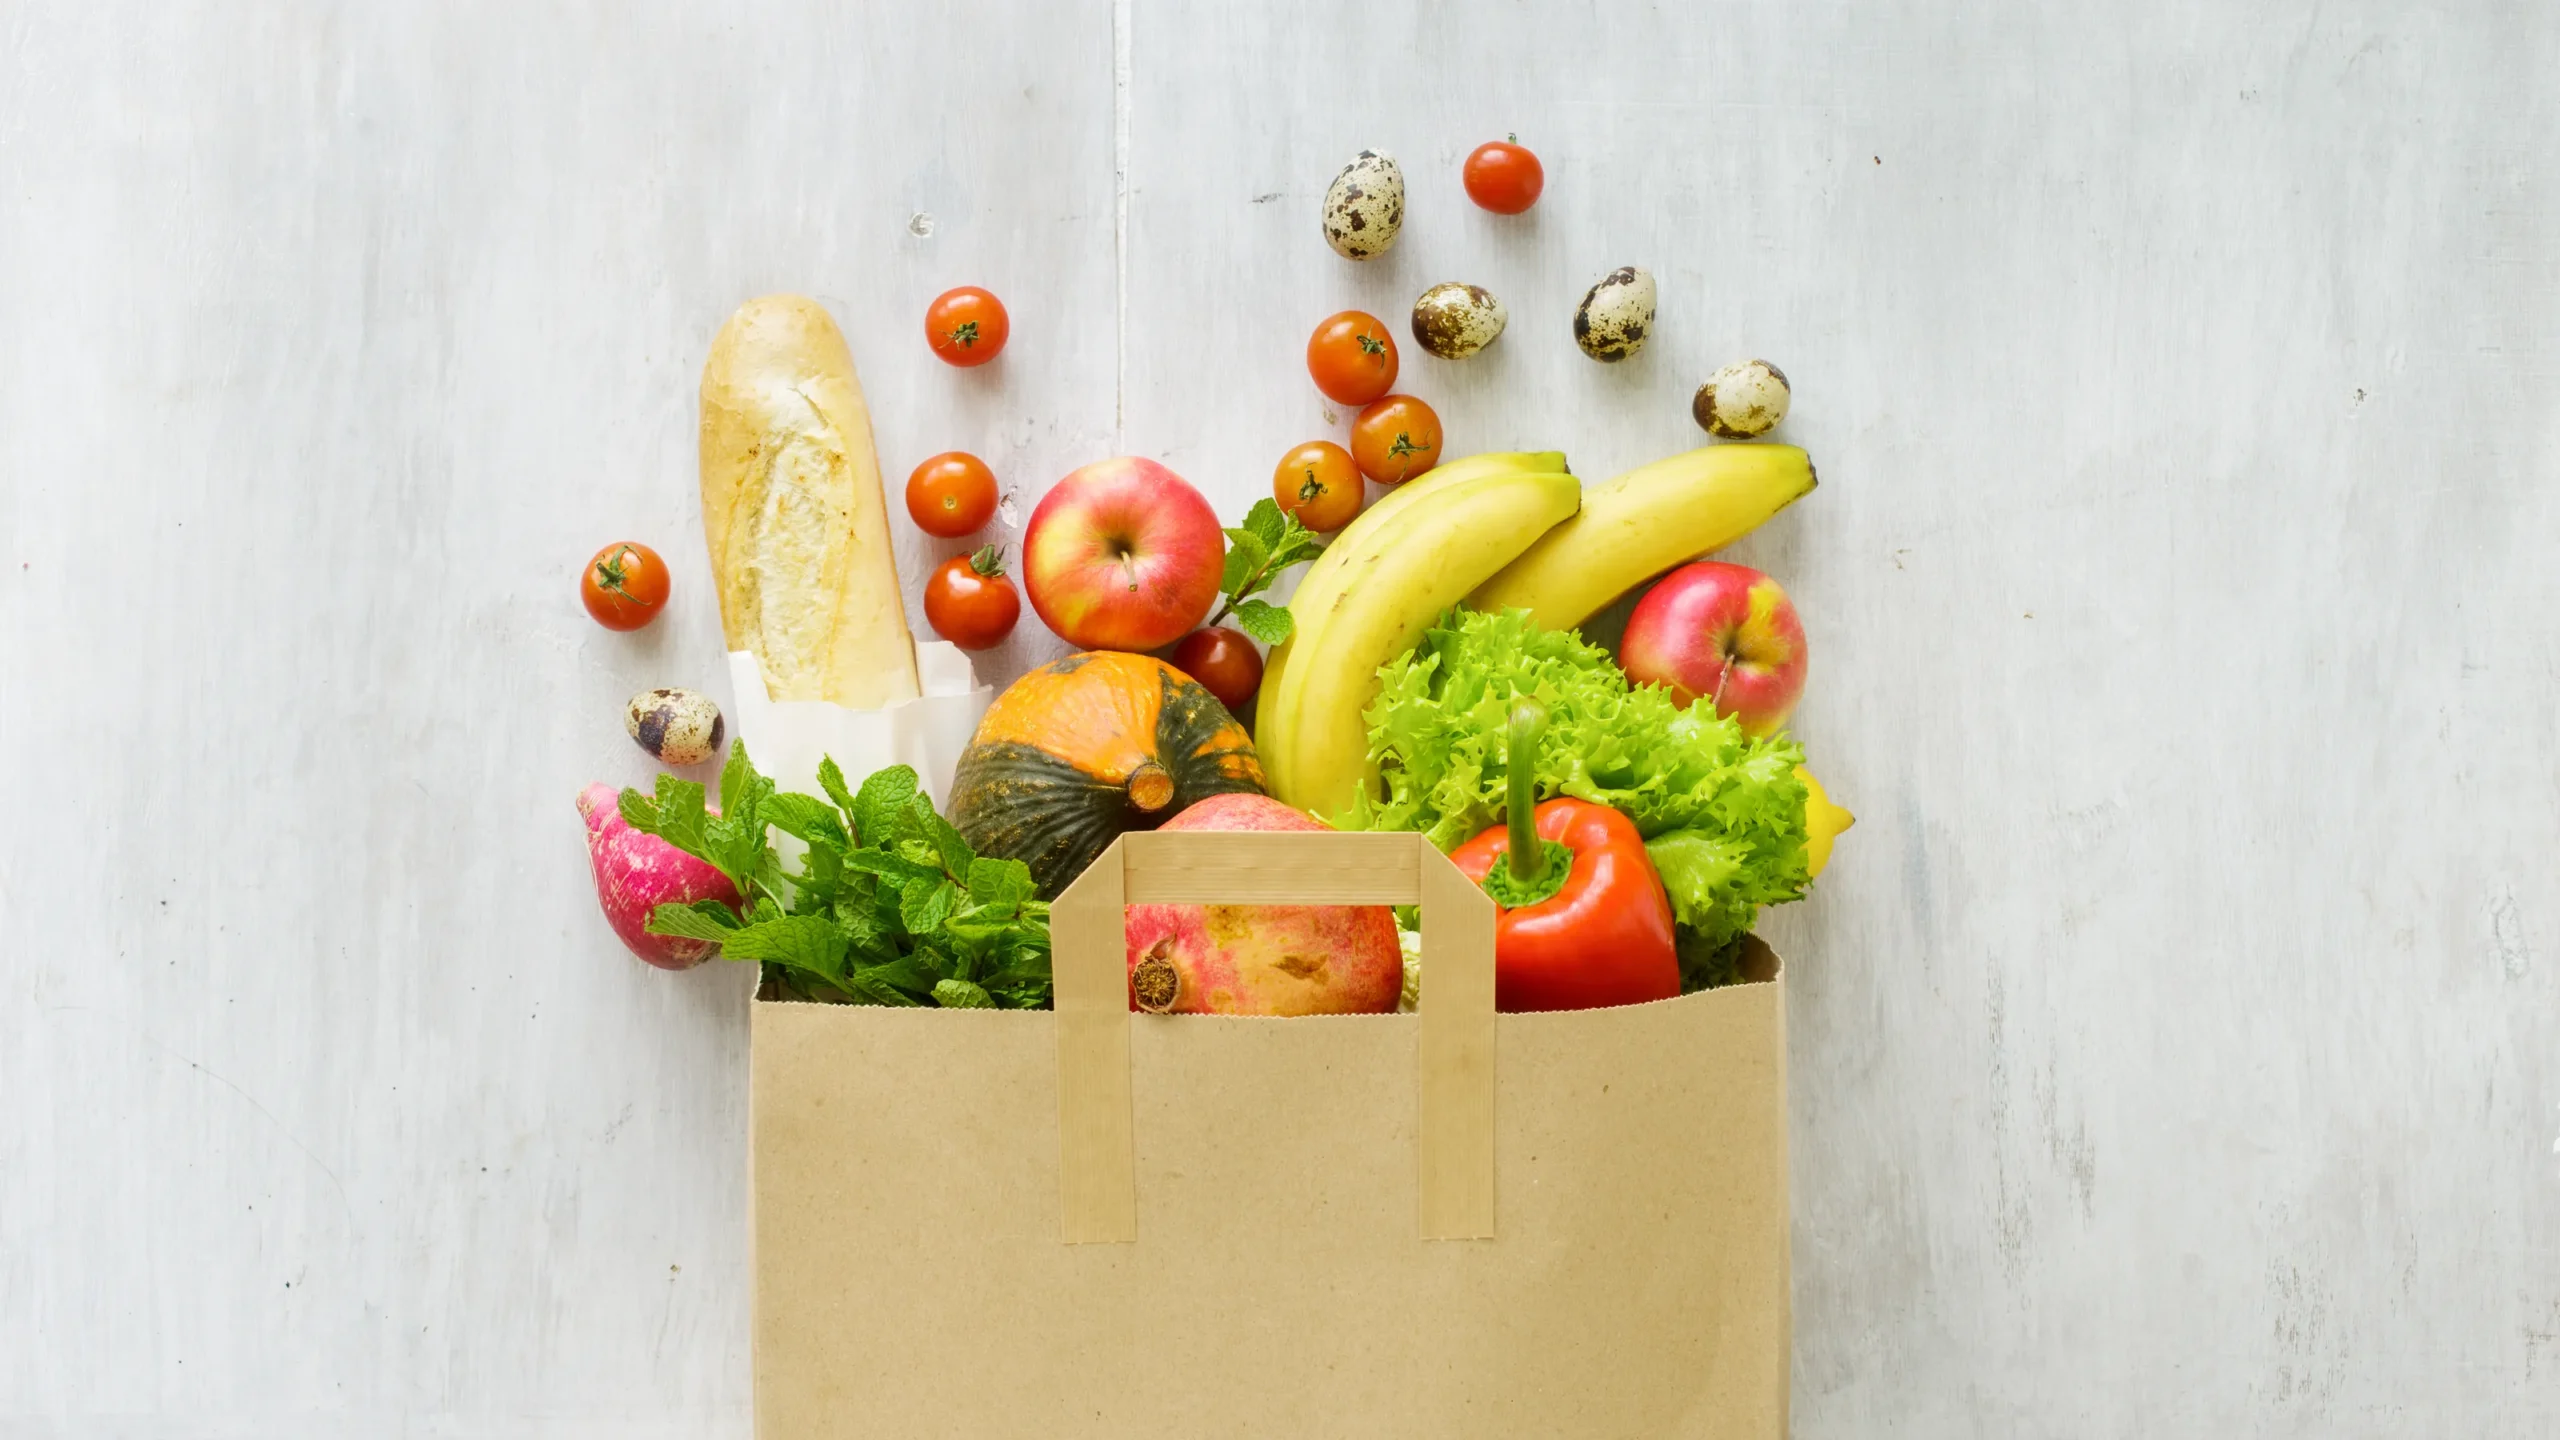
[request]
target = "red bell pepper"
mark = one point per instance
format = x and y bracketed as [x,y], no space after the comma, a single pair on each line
[1584,921]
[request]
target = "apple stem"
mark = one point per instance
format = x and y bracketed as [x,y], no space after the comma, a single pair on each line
[1129,567]
[1528,857]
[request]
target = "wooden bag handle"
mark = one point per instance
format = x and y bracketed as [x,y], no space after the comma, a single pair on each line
[1097,1173]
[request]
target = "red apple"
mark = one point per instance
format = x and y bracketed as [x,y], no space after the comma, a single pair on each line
[1266,959]
[1726,632]
[1122,555]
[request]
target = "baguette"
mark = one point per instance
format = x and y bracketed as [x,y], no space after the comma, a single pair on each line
[794,511]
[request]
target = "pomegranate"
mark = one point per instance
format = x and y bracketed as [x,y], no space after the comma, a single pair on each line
[1261,959]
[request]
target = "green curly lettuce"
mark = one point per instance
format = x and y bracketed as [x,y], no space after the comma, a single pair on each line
[1722,814]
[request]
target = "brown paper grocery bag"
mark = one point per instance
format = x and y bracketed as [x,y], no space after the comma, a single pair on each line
[1088,1223]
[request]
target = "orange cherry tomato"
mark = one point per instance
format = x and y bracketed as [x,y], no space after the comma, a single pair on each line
[1318,483]
[971,602]
[1395,439]
[951,495]
[625,585]
[1224,662]
[1352,358]
[966,326]
[1503,177]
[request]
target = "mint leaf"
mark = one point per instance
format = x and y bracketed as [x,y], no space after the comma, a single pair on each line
[675,816]
[923,908]
[803,942]
[693,922]
[872,985]
[1247,555]
[884,796]
[1264,621]
[735,848]
[961,995]
[975,926]
[741,788]
[896,869]
[1003,884]
[821,877]
[869,941]
[831,780]
[803,817]
[1267,523]
[639,811]
[954,851]
[904,977]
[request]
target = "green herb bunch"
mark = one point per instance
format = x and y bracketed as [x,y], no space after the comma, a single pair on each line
[889,906]
[1268,542]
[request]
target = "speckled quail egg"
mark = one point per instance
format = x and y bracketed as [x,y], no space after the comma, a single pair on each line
[1617,314]
[1364,207]
[1745,398]
[1454,321]
[679,727]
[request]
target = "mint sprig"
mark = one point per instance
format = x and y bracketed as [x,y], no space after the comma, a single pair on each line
[1268,542]
[889,906]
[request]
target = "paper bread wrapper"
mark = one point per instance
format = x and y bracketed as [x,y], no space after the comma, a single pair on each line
[789,737]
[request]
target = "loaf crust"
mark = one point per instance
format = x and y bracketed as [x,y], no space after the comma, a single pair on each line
[794,511]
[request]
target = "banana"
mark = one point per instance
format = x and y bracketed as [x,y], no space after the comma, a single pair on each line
[1421,560]
[1643,523]
[1316,587]
[1441,476]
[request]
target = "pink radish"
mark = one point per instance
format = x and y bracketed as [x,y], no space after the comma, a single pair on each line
[637,873]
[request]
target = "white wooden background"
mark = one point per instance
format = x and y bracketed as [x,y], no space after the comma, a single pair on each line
[2174,1039]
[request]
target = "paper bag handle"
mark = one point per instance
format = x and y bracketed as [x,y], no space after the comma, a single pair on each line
[1097,1159]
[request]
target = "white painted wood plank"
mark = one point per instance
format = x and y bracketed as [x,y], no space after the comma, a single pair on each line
[332,340]
[2171,1040]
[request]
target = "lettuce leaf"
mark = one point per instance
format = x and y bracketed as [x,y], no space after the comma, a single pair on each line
[1722,814]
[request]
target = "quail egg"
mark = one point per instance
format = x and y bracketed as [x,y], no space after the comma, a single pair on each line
[1617,314]
[1454,321]
[1364,207]
[1745,398]
[679,727]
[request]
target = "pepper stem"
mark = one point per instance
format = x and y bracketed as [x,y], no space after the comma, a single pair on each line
[1528,726]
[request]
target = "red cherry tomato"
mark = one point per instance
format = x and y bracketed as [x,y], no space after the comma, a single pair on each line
[1503,177]
[1352,358]
[1395,439]
[970,601]
[625,585]
[1224,662]
[1318,483]
[967,326]
[951,495]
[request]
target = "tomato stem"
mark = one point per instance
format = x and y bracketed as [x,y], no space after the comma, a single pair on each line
[966,335]
[612,578]
[987,560]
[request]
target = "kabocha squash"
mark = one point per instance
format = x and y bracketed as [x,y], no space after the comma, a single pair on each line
[1084,749]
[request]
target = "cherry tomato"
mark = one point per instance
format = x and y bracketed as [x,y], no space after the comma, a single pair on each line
[1224,662]
[951,495]
[966,326]
[1503,177]
[970,602]
[1317,483]
[1353,358]
[625,585]
[1395,439]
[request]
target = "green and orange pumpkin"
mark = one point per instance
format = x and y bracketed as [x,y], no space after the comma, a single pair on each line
[1085,749]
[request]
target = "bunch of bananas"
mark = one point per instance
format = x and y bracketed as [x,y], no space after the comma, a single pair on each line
[1510,530]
